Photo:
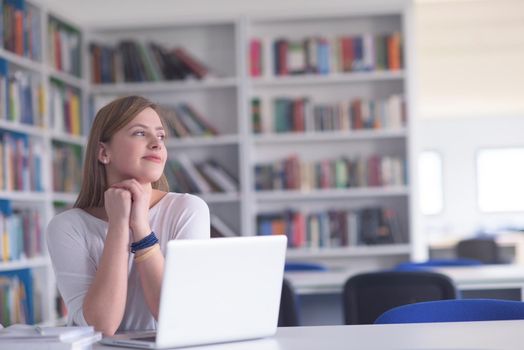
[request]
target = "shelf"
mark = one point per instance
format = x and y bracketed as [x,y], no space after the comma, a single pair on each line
[164,86]
[220,197]
[227,101]
[64,197]
[25,263]
[67,138]
[335,78]
[23,128]
[202,141]
[28,196]
[66,78]
[362,251]
[20,61]
[330,136]
[365,192]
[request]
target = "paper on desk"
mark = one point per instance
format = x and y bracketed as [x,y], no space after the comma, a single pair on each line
[82,343]
[36,333]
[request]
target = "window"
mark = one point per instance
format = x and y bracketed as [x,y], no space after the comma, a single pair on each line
[500,179]
[430,183]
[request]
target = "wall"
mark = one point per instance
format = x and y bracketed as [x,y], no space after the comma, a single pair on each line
[470,80]
[458,140]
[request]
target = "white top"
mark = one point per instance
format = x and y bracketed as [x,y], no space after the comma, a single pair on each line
[76,239]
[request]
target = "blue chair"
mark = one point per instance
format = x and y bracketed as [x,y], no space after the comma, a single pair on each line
[368,295]
[414,266]
[303,266]
[457,310]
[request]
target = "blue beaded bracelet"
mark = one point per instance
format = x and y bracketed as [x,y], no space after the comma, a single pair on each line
[146,242]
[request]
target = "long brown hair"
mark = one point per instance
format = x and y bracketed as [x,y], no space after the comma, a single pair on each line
[109,119]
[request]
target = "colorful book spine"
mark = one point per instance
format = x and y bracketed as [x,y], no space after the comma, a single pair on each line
[293,174]
[207,176]
[67,165]
[17,297]
[303,115]
[184,120]
[64,53]
[335,227]
[66,109]
[20,164]
[321,55]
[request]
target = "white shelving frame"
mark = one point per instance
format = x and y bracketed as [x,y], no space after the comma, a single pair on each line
[238,147]
[291,143]
[41,266]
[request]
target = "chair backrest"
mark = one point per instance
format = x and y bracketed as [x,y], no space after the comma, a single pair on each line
[485,250]
[303,266]
[411,265]
[366,296]
[288,314]
[455,311]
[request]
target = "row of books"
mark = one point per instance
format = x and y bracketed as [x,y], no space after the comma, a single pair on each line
[64,47]
[20,28]
[302,115]
[183,120]
[16,297]
[67,167]
[21,96]
[334,228]
[66,108]
[320,55]
[293,174]
[20,163]
[20,232]
[208,176]
[134,61]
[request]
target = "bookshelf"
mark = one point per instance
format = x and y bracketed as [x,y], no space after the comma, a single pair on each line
[75,87]
[315,87]
[235,83]
[39,51]
[380,83]
[216,97]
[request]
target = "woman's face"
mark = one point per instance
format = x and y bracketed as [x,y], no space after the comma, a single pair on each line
[137,151]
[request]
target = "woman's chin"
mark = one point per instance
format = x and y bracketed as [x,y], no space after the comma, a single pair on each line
[143,179]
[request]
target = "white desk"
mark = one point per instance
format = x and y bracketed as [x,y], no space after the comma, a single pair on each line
[465,278]
[320,292]
[507,335]
[486,277]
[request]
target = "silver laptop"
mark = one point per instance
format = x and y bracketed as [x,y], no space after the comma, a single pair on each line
[214,291]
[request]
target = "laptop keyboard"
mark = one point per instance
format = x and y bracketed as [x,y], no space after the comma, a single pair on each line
[151,339]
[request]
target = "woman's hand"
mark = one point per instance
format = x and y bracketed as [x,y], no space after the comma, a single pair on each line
[118,206]
[140,201]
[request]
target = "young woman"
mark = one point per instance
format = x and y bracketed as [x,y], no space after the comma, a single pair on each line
[108,251]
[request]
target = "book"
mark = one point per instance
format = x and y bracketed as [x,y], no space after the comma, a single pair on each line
[16,292]
[193,173]
[218,176]
[82,342]
[197,68]
[255,57]
[25,332]
[205,124]
[219,228]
